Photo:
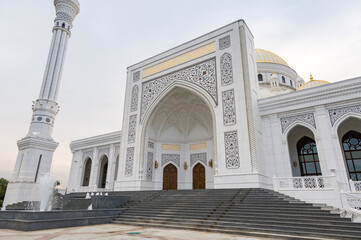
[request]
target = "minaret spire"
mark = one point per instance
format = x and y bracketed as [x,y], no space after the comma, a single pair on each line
[37,148]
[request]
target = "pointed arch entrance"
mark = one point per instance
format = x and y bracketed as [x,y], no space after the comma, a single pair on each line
[87,170]
[349,134]
[170,177]
[180,124]
[103,172]
[308,157]
[199,176]
[303,152]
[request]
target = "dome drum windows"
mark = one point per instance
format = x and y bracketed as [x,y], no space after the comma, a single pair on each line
[283,80]
[260,77]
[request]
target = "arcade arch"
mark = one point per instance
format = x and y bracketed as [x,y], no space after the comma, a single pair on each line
[181,120]
[303,152]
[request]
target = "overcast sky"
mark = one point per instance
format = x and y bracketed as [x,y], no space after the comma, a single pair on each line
[322,37]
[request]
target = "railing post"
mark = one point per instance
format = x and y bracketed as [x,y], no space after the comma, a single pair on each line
[352,186]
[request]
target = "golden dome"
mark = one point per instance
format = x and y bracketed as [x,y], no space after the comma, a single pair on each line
[312,83]
[270,57]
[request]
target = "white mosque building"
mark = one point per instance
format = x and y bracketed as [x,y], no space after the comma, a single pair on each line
[214,112]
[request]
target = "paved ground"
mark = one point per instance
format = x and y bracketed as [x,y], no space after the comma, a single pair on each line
[115,231]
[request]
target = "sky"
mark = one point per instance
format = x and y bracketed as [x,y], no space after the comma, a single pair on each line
[318,37]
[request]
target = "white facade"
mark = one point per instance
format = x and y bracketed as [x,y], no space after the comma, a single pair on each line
[212,113]
[205,102]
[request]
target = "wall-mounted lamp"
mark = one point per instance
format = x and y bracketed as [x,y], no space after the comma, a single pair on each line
[156,164]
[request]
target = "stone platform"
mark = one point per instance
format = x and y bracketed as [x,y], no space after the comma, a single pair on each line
[251,212]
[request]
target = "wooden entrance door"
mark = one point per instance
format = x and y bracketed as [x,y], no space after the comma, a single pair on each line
[199,177]
[170,177]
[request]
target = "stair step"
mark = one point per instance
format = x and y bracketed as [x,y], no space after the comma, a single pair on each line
[251,231]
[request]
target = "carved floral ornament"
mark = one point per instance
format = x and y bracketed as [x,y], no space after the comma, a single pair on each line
[132,128]
[129,161]
[87,154]
[202,74]
[336,114]
[134,99]
[201,157]
[104,151]
[232,151]
[166,158]
[229,108]
[226,69]
[306,118]
[149,175]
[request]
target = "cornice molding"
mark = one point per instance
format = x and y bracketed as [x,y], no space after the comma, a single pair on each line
[39,143]
[345,90]
[100,140]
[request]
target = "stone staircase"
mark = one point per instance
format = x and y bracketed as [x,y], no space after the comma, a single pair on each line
[254,212]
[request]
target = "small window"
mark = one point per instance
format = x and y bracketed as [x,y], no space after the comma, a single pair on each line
[260,77]
[57,24]
[63,25]
[291,83]
[283,79]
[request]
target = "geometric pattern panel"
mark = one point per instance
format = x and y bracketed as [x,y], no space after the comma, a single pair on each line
[202,74]
[175,158]
[307,118]
[129,162]
[195,157]
[103,151]
[149,166]
[150,144]
[132,128]
[224,42]
[134,99]
[232,152]
[136,76]
[87,153]
[226,69]
[335,114]
[229,108]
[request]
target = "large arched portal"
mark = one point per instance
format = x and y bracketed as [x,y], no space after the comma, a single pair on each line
[180,130]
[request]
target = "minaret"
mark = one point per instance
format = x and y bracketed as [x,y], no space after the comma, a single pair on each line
[37,148]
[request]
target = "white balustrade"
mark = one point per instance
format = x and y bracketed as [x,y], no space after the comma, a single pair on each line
[304,183]
[355,186]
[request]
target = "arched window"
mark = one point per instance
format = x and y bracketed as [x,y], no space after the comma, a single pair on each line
[351,143]
[57,24]
[63,25]
[103,172]
[260,77]
[308,157]
[87,169]
[291,83]
[283,79]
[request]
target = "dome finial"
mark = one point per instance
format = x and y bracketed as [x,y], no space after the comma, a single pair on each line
[311,78]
